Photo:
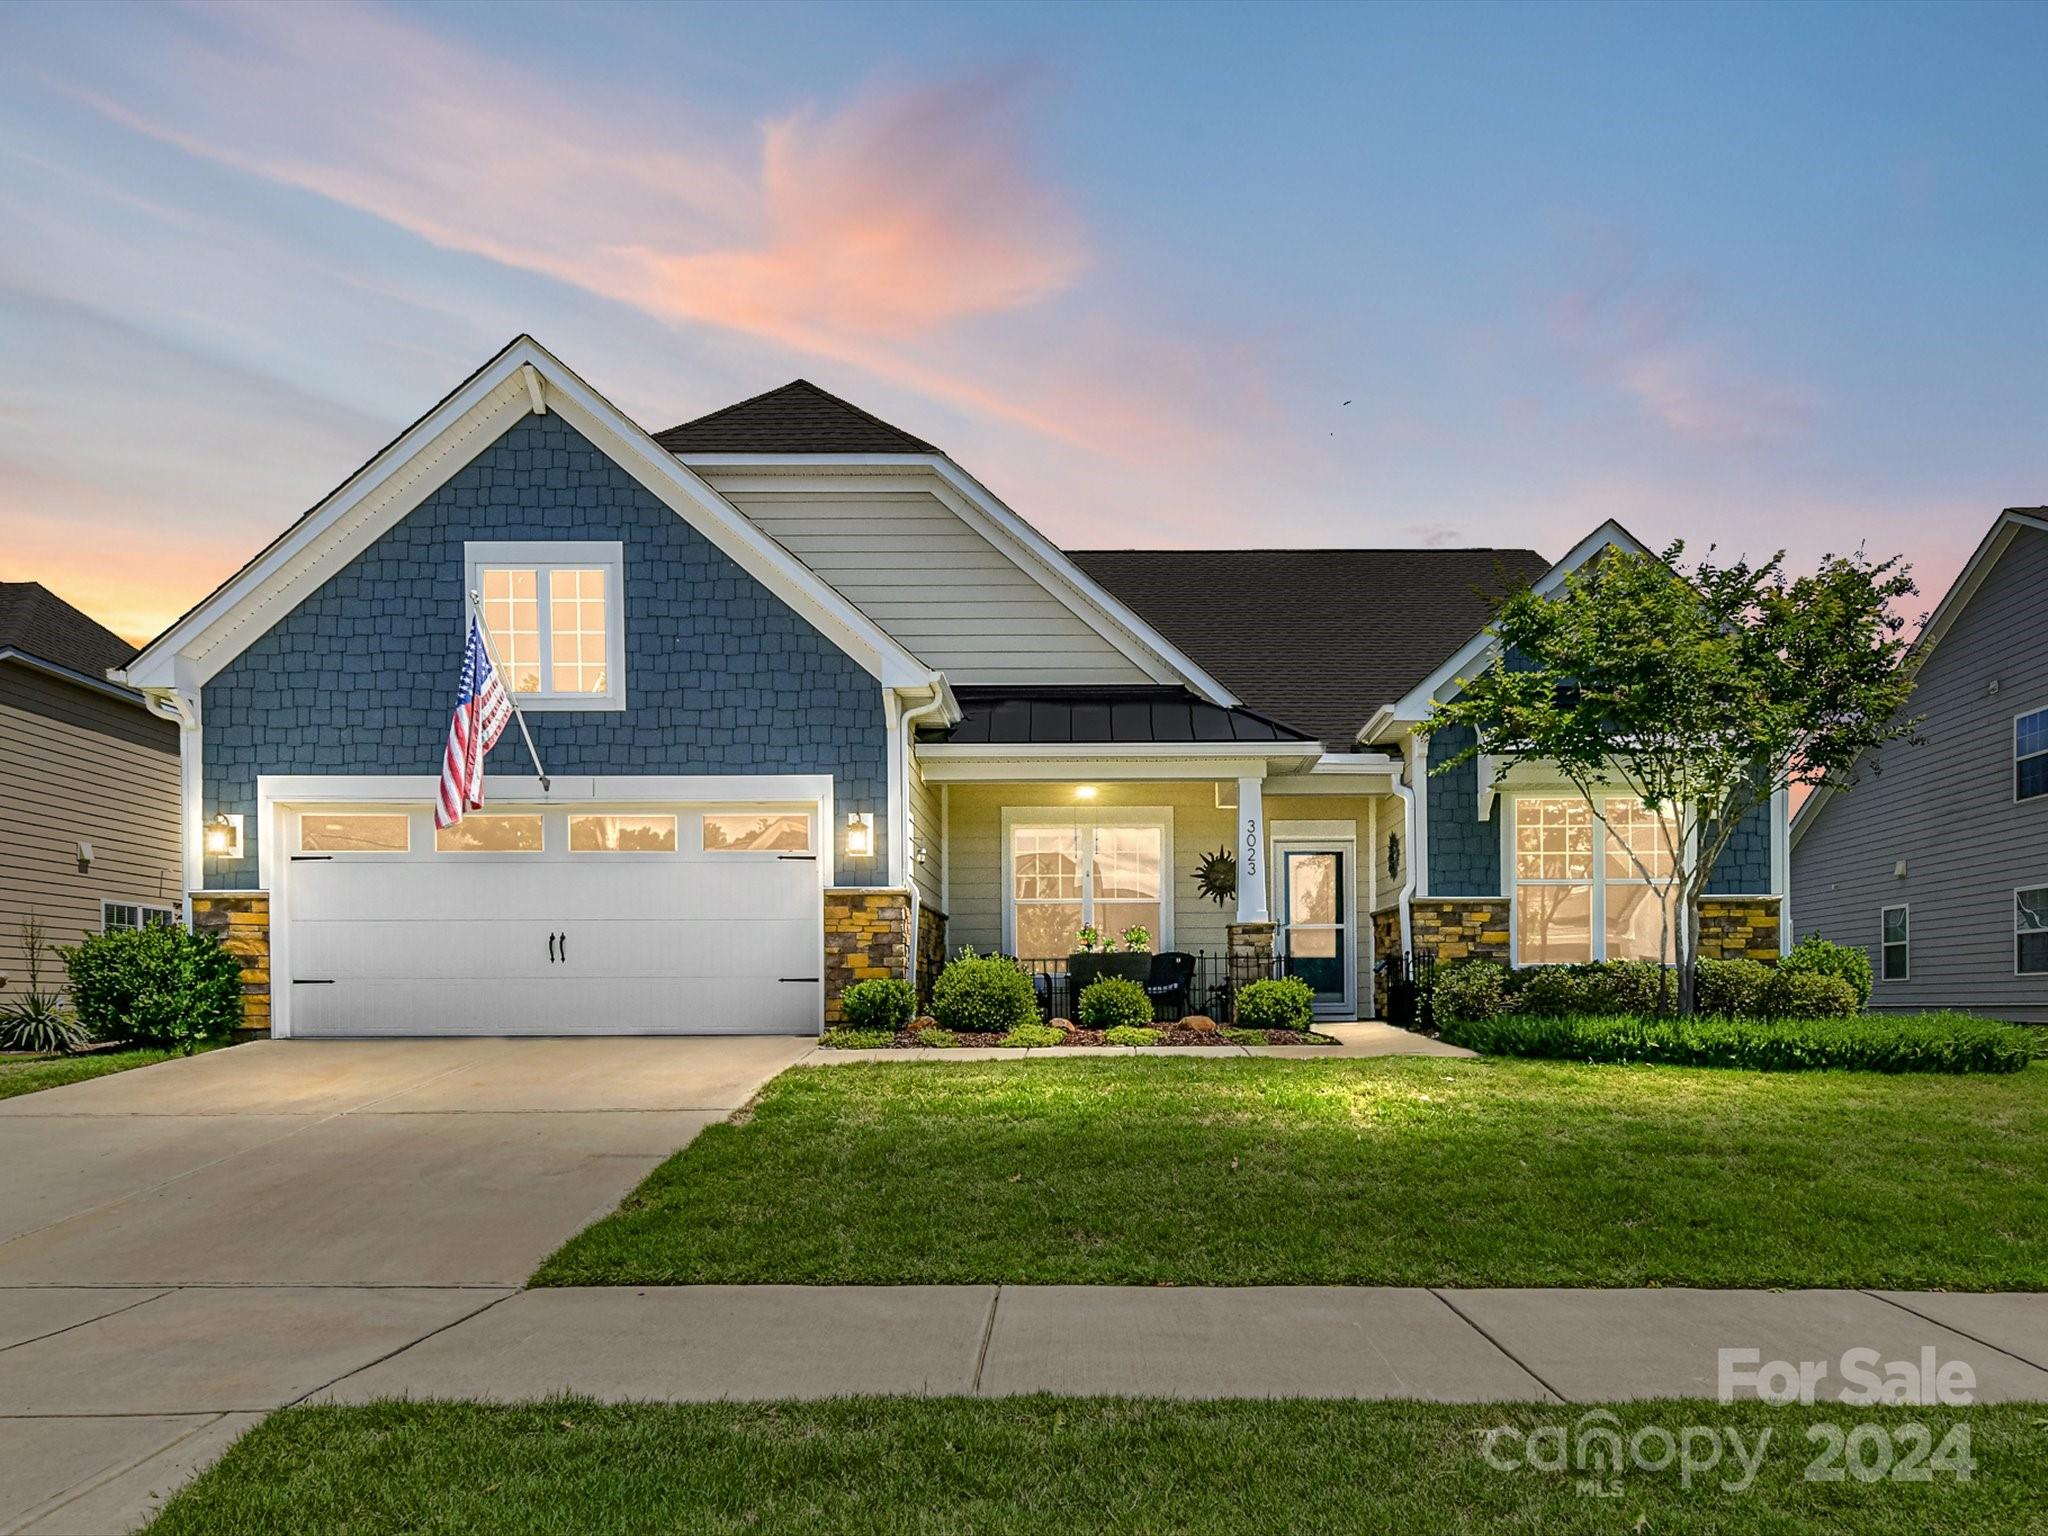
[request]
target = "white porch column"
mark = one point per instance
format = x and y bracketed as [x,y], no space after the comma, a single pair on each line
[1251,851]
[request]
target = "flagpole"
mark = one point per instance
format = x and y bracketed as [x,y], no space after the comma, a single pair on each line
[476,613]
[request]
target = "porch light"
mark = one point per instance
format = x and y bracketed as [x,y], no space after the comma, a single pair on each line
[1084,792]
[224,836]
[860,834]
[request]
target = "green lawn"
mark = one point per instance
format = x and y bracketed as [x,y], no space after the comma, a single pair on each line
[1407,1171]
[1057,1466]
[32,1074]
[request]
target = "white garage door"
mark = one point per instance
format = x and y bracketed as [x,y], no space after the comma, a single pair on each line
[523,921]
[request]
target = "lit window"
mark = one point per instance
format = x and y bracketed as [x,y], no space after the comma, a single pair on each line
[478,833]
[552,611]
[355,832]
[757,832]
[1573,906]
[622,834]
[1066,878]
[115,916]
[2030,931]
[1894,963]
[2030,755]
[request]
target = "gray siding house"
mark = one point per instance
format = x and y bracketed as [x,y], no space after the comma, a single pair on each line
[1937,860]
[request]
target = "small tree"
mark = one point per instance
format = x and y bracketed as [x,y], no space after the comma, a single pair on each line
[1700,695]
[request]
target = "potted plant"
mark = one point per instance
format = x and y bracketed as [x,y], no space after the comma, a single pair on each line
[1098,957]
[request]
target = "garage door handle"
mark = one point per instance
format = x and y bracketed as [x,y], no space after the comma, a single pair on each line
[808,858]
[551,949]
[309,981]
[811,979]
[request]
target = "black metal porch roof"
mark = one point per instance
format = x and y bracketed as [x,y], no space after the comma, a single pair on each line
[998,716]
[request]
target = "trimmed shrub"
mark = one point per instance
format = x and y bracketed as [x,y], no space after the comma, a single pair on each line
[880,1002]
[1131,1034]
[1815,954]
[1473,990]
[1035,1035]
[164,987]
[1807,995]
[1112,1001]
[938,1039]
[1730,989]
[983,994]
[1554,991]
[1285,1003]
[857,1039]
[1950,1042]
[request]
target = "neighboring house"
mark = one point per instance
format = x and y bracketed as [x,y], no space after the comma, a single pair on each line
[89,779]
[815,705]
[1936,862]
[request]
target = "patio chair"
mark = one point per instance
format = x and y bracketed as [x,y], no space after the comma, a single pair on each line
[1173,975]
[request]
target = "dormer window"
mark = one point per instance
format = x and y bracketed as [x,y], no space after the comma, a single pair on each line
[555,618]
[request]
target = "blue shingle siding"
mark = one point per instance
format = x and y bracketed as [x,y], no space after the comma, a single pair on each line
[1464,852]
[1745,865]
[721,675]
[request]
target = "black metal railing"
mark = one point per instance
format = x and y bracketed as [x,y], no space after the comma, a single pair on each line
[1209,989]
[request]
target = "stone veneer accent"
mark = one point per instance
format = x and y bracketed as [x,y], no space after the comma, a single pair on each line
[1251,948]
[931,953]
[867,934]
[1739,928]
[1386,944]
[241,920]
[1460,928]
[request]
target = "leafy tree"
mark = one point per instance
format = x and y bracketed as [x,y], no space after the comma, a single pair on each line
[1700,694]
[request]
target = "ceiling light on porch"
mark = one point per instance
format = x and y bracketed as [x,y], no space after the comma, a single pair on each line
[1084,791]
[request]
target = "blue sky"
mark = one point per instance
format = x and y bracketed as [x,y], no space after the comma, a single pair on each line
[1748,275]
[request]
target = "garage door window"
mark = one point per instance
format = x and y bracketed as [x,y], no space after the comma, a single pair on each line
[490,834]
[757,832]
[355,832]
[622,834]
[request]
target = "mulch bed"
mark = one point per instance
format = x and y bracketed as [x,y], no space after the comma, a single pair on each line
[1167,1036]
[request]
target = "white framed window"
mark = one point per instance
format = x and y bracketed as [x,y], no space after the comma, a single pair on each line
[2030,755]
[1587,892]
[355,832]
[757,832]
[555,612]
[1895,961]
[2030,931]
[1111,870]
[624,832]
[117,916]
[493,832]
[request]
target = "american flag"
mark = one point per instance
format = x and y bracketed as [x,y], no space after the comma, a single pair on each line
[481,711]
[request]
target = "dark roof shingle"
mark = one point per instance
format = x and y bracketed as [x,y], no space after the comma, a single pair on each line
[1319,638]
[797,418]
[37,622]
[1068,715]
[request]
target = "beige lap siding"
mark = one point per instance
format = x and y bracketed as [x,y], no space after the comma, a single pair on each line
[78,766]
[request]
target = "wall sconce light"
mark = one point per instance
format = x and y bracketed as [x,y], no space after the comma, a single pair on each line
[1084,791]
[860,834]
[224,837]
[85,858]
[917,854]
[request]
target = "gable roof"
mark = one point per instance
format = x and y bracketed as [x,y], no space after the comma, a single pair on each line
[1130,713]
[797,418]
[38,624]
[1269,623]
[2006,527]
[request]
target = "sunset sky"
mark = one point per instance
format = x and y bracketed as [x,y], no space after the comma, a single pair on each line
[1157,275]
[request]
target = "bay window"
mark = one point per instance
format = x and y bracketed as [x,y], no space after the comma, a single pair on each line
[1068,875]
[1587,892]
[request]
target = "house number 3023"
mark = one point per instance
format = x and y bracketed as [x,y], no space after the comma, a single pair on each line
[1251,848]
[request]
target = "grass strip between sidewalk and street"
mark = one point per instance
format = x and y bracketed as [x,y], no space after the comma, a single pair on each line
[1408,1171]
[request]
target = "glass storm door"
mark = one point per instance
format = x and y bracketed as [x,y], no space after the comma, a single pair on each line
[1316,923]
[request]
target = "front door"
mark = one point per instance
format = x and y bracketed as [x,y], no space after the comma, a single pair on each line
[1316,925]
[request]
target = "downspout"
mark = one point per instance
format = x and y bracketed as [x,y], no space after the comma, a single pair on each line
[1407,798]
[906,730]
[183,711]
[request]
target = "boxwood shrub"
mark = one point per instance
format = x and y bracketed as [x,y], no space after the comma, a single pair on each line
[1937,1042]
[880,1002]
[1115,1000]
[1814,953]
[1477,990]
[983,994]
[1283,1003]
[161,986]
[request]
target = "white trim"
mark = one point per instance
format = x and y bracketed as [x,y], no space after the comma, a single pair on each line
[183,709]
[988,515]
[1781,864]
[2017,759]
[2017,932]
[542,557]
[1053,763]
[424,457]
[1905,943]
[2004,529]
[1087,818]
[1416,750]
[171,912]
[1416,704]
[279,796]
[1340,838]
[1597,881]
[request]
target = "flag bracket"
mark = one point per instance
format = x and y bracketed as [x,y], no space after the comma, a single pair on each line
[476,612]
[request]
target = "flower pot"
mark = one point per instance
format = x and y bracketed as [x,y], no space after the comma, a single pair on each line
[1087,968]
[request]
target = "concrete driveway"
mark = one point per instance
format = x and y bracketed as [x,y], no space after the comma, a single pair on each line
[187,1246]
